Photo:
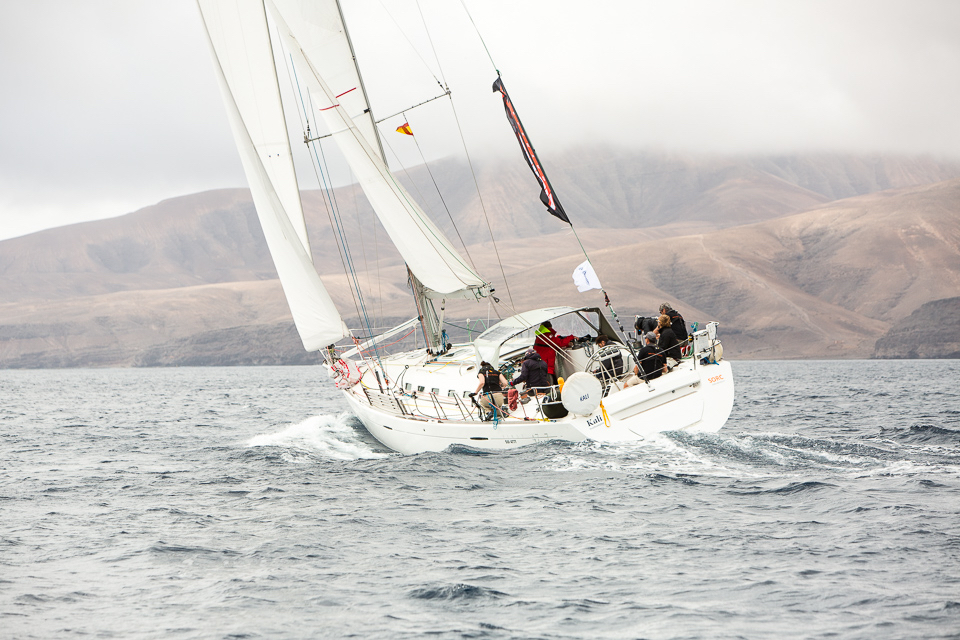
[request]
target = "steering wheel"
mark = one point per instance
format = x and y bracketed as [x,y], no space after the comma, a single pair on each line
[593,364]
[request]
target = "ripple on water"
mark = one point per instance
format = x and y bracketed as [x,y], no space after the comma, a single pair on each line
[233,502]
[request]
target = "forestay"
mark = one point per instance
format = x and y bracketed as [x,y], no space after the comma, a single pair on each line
[243,56]
[314,36]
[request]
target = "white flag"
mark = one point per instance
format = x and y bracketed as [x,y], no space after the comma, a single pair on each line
[585,277]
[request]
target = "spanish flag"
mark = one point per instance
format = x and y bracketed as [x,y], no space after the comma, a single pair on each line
[405,128]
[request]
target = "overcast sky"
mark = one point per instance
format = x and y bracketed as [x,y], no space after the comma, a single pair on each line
[109,106]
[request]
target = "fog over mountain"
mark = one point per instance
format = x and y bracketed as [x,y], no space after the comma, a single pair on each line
[796,256]
[108,106]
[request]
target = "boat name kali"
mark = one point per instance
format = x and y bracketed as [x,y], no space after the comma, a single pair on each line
[425,399]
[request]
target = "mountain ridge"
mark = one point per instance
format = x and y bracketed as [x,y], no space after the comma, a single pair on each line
[824,281]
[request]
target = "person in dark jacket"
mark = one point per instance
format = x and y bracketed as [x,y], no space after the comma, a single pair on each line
[533,372]
[547,344]
[490,385]
[676,321]
[668,344]
[651,362]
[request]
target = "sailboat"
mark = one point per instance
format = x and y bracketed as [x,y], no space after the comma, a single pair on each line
[425,399]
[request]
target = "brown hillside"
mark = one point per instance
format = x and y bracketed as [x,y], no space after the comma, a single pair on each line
[189,281]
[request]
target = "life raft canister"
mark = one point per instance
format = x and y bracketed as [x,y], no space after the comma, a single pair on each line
[581,394]
[345,373]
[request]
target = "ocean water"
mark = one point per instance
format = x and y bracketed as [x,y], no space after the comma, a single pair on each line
[244,503]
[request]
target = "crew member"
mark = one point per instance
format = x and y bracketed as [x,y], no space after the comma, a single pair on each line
[651,362]
[492,383]
[533,371]
[676,322]
[668,344]
[547,344]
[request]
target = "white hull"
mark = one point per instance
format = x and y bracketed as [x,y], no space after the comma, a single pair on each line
[693,397]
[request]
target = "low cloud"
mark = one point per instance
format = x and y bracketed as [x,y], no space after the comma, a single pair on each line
[107,105]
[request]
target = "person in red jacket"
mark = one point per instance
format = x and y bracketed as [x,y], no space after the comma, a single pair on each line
[547,344]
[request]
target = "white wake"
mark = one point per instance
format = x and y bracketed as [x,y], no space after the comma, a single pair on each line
[327,435]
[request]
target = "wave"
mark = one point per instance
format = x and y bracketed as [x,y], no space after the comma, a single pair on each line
[691,458]
[924,434]
[172,548]
[339,437]
[455,592]
[760,451]
[793,487]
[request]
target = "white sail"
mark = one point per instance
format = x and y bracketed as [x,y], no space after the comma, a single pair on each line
[243,57]
[315,37]
[324,34]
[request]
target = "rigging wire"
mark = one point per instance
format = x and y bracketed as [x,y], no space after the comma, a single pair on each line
[483,206]
[467,11]
[346,246]
[363,244]
[572,228]
[305,126]
[376,246]
[333,215]
[442,200]
[436,186]
[433,48]
[427,221]
[412,46]
[321,181]
[466,152]
[406,173]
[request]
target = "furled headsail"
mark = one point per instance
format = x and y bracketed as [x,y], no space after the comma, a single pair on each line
[243,57]
[314,35]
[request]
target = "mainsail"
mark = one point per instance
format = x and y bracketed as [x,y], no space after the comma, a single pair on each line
[314,35]
[243,57]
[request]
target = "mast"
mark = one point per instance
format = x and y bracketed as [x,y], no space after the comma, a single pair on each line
[315,38]
[363,88]
[431,322]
